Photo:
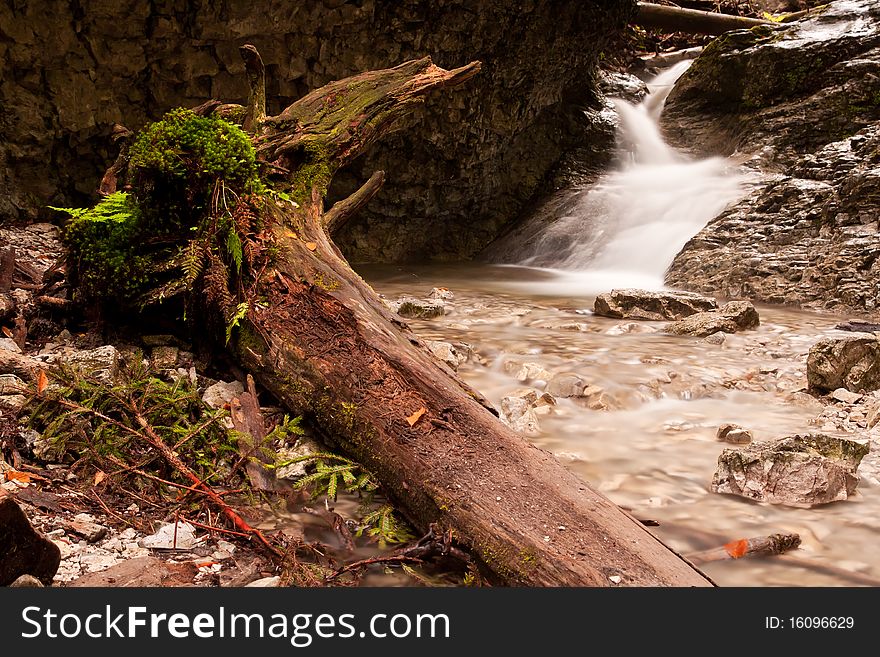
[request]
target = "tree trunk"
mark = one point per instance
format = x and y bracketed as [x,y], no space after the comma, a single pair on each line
[676,19]
[326,346]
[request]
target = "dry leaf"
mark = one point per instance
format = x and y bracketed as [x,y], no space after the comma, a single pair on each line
[311,246]
[42,382]
[736,549]
[415,417]
[289,233]
[99,477]
[7,332]
[14,475]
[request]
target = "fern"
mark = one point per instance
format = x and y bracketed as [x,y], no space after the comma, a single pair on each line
[241,311]
[233,246]
[193,262]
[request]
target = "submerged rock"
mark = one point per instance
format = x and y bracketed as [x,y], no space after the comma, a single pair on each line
[649,305]
[520,410]
[23,550]
[800,471]
[851,362]
[566,384]
[414,308]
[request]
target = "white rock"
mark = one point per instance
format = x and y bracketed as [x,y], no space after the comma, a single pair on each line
[171,536]
[265,582]
[10,345]
[447,352]
[845,396]
[294,471]
[221,393]
[101,363]
[630,327]
[533,372]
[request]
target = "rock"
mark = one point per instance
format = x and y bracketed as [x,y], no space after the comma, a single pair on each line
[800,471]
[159,340]
[26,582]
[12,362]
[295,471]
[441,293]
[171,536]
[803,101]
[164,358]
[647,305]
[743,314]
[517,412]
[10,345]
[101,363]
[532,372]
[630,327]
[7,307]
[84,524]
[140,572]
[24,551]
[447,352]
[873,416]
[702,325]
[858,327]
[418,308]
[566,384]
[221,393]
[845,396]
[733,433]
[851,362]
[11,385]
[716,338]
[265,582]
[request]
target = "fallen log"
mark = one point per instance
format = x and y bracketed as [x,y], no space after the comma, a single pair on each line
[316,336]
[760,546]
[694,21]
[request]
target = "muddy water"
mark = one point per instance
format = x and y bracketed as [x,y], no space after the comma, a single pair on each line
[654,449]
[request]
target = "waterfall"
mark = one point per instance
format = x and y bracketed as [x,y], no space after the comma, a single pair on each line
[626,229]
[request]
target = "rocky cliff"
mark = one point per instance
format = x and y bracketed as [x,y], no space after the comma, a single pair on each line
[801,104]
[463,167]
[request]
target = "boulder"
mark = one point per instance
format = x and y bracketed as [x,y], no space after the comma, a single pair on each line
[566,384]
[743,314]
[733,433]
[221,393]
[730,318]
[851,362]
[648,305]
[414,308]
[800,471]
[23,550]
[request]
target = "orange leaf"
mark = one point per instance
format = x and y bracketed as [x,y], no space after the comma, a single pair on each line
[42,382]
[7,332]
[737,549]
[14,475]
[311,246]
[415,417]
[99,477]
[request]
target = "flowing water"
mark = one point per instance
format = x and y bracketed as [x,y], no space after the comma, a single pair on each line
[650,445]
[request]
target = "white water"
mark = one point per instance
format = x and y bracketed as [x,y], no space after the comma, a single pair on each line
[625,230]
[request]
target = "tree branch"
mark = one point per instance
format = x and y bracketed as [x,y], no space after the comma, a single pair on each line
[342,211]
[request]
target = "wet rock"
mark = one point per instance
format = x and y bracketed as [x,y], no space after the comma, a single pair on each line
[648,305]
[716,338]
[630,327]
[447,352]
[730,318]
[733,433]
[858,327]
[800,471]
[441,293]
[221,393]
[414,308]
[851,362]
[801,100]
[702,325]
[532,372]
[517,411]
[24,551]
[743,314]
[566,384]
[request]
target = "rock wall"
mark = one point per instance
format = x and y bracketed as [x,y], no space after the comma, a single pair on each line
[802,104]
[456,173]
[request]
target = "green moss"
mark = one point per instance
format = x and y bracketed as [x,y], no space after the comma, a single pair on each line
[328,284]
[315,171]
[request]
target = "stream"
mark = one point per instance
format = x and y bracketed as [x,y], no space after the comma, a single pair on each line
[650,444]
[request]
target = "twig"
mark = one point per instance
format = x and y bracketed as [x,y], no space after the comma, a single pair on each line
[216,529]
[111,512]
[399,558]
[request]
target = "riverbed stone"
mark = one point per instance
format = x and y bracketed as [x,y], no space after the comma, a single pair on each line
[447,352]
[533,372]
[650,305]
[851,362]
[731,317]
[566,384]
[518,413]
[23,550]
[733,433]
[799,470]
[413,308]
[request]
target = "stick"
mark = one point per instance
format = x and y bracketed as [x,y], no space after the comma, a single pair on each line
[369,562]
[337,216]
[760,546]
[676,19]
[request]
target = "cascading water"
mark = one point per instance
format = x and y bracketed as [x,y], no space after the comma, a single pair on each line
[625,230]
